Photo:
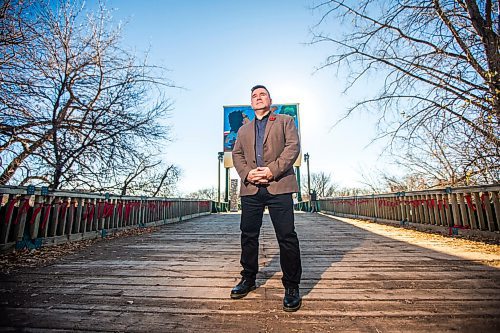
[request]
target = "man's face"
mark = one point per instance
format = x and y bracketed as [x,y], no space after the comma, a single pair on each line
[261,99]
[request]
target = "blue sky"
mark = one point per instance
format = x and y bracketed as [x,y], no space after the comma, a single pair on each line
[217,50]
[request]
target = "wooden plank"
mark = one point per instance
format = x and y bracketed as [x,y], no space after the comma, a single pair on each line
[331,308]
[463,209]
[344,320]
[437,281]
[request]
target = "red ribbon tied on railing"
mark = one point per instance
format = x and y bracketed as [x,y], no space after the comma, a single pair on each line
[37,208]
[47,207]
[64,207]
[468,199]
[485,196]
[120,209]
[10,209]
[24,207]
[89,212]
[128,208]
[108,209]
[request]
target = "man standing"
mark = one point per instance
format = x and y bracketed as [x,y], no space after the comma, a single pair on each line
[263,156]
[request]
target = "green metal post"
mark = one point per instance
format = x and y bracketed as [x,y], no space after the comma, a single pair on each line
[226,195]
[220,157]
[299,195]
[308,177]
[218,185]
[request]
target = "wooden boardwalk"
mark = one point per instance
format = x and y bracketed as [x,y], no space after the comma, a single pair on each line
[358,277]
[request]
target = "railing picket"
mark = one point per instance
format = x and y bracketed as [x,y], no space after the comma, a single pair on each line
[425,207]
[71,216]
[441,210]
[415,210]
[496,205]
[463,210]
[489,213]
[447,210]
[78,215]
[55,218]
[455,210]
[480,211]
[435,209]
[93,219]
[100,214]
[47,215]
[471,208]
[63,212]
[86,216]
[7,219]
[35,220]
[20,220]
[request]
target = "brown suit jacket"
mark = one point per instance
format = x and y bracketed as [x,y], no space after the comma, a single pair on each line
[281,149]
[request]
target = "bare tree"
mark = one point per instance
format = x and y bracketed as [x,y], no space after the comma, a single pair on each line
[437,162]
[16,34]
[351,191]
[204,193]
[440,65]
[321,183]
[78,107]
[144,175]
[373,179]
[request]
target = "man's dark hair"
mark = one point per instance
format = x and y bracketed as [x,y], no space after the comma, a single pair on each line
[261,86]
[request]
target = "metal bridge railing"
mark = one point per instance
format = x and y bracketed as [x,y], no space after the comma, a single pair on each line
[220,207]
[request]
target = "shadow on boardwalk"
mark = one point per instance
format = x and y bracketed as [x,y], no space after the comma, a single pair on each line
[357,277]
[321,248]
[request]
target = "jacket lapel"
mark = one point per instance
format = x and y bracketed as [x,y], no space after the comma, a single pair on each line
[270,124]
[252,135]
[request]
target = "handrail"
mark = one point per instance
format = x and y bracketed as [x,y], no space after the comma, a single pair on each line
[33,217]
[470,207]
[220,207]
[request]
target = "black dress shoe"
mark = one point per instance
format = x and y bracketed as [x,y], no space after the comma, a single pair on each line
[242,289]
[292,300]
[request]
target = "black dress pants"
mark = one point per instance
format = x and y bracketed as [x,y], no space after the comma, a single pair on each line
[281,211]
